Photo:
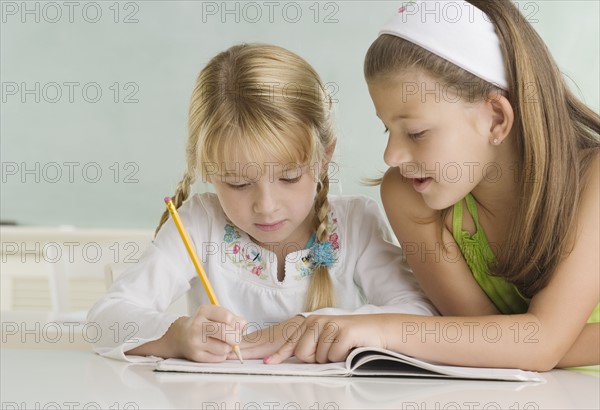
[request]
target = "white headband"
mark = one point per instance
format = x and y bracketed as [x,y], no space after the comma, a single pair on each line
[454,30]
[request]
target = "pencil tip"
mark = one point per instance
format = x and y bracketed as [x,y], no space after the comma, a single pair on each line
[238,353]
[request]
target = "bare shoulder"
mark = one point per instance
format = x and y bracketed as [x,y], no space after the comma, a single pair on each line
[409,216]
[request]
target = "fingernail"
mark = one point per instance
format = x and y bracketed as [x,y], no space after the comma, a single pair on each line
[267,359]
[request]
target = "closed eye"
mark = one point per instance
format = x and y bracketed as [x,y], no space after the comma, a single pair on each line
[416,135]
[291,180]
[238,186]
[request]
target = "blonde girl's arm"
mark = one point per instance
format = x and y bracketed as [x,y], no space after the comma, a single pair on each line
[132,318]
[134,310]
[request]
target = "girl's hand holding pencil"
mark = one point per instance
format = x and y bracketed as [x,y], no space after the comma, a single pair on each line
[209,335]
[206,326]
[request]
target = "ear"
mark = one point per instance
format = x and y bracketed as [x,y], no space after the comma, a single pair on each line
[503,118]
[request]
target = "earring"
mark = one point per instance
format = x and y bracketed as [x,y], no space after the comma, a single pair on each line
[496,141]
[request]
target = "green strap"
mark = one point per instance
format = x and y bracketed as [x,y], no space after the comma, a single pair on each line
[479,257]
[472,207]
[457,217]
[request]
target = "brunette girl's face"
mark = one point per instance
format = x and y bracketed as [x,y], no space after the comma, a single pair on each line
[440,142]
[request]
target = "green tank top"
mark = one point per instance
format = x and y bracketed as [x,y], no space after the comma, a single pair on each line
[479,257]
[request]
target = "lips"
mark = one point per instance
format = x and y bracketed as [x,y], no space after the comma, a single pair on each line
[270,227]
[421,184]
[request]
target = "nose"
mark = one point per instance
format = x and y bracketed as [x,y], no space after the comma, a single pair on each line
[396,152]
[265,199]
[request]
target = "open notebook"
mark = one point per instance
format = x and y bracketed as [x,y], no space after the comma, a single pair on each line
[363,361]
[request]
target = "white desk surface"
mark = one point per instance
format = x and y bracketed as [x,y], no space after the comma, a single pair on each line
[72,379]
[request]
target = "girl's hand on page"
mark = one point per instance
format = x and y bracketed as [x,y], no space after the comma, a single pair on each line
[209,335]
[265,342]
[322,339]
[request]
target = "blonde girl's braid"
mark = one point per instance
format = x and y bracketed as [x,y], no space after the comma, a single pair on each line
[320,290]
[182,192]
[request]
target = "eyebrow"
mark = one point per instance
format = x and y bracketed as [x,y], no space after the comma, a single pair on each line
[284,172]
[398,117]
[278,169]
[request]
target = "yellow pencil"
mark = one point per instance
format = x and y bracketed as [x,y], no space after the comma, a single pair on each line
[188,245]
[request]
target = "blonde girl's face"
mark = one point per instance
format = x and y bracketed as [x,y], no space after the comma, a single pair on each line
[440,143]
[270,201]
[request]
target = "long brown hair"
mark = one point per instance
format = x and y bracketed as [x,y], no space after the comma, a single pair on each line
[556,136]
[272,103]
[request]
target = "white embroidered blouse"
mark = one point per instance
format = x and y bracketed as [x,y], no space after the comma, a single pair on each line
[369,275]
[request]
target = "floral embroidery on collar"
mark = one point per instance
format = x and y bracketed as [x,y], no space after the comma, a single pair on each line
[245,255]
[248,256]
[304,266]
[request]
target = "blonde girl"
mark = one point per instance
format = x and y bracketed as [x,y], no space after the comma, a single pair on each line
[493,192]
[274,244]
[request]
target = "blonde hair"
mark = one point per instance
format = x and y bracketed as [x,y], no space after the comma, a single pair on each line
[272,103]
[556,136]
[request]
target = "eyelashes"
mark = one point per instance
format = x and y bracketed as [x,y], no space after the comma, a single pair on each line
[240,187]
[291,180]
[412,136]
[417,135]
